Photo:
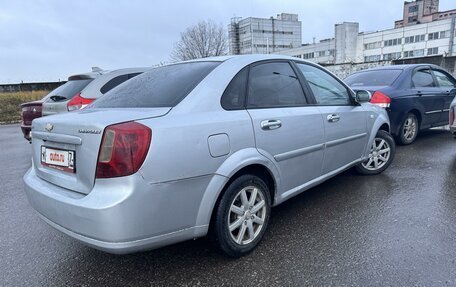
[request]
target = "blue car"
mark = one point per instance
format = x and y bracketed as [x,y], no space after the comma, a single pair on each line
[416,97]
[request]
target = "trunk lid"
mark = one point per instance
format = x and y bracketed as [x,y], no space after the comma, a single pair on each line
[51,107]
[80,132]
[30,111]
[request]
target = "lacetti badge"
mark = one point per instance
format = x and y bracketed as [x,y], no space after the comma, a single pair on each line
[85,131]
[49,127]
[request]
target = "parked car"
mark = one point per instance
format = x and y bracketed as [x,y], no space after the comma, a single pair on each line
[29,112]
[452,117]
[86,88]
[201,147]
[416,97]
[79,91]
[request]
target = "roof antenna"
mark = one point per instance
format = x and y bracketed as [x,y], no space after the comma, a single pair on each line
[96,69]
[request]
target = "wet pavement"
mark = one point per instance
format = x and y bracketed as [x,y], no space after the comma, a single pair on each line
[397,228]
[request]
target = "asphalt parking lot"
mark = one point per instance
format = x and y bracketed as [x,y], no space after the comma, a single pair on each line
[397,228]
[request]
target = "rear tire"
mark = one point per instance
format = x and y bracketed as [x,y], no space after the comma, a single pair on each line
[242,216]
[381,155]
[409,130]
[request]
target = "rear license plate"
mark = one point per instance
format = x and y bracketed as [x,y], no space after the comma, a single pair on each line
[57,158]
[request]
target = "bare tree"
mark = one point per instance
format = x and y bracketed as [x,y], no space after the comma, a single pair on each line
[205,39]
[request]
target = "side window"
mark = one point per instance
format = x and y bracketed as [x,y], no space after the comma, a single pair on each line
[234,96]
[114,82]
[444,80]
[274,85]
[327,90]
[423,78]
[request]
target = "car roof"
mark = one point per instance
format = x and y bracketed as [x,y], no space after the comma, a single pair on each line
[245,58]
[96,74]
[400,67]
[92,90]
[82,76]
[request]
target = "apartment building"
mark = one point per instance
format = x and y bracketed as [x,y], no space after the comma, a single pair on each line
[264,35]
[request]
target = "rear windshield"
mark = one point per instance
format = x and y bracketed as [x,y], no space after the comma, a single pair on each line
[69,89]
[160,87]
[373,78]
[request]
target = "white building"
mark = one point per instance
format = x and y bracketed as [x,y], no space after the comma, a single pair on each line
[262,35]
[350,46]
[423,32]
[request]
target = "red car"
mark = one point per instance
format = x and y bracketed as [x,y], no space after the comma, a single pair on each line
[30,111]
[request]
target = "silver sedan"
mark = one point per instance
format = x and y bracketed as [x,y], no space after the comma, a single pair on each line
[200,148]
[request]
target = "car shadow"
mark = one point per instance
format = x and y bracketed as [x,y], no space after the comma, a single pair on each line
[309,214]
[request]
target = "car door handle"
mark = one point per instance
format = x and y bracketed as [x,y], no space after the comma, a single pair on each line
[270,124]
[332,118]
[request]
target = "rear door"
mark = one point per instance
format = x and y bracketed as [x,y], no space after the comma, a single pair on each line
[287,130]
[429,96]
[447,85]
[345,122]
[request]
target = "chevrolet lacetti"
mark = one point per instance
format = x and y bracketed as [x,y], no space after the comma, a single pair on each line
[198,148]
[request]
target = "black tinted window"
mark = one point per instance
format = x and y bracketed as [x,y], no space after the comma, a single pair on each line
[114,82]
[373,78]
[69,89]
[423,78]
[274,85]
[160,87]
[325,88]
[234,96]
[132,75]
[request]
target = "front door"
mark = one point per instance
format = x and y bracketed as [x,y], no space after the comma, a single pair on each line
[447,86]
[428,95]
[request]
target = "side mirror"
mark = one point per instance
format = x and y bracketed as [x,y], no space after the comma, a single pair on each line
[362,96]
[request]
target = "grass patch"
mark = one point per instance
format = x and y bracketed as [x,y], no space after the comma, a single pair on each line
[10,104]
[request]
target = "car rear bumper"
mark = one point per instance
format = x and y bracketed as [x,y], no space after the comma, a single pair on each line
[26,131]
[122,215]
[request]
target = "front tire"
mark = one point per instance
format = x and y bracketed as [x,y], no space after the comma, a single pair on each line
[409,130]
[242,216]
[381,155]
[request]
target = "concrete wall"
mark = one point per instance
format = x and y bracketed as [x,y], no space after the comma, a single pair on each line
[346,41]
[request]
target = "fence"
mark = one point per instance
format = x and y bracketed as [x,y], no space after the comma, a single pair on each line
[345,69]
[28,87]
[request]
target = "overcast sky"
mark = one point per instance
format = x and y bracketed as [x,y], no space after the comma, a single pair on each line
[52,39]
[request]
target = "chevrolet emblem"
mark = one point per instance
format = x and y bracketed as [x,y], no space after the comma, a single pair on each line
[49,127]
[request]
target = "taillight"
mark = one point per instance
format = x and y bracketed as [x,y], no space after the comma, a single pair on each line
[123,149]
[451,116]
[78,102]
[380,99]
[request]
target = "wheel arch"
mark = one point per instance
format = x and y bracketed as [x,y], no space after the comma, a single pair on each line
[248,161]
[385,127]
[417,114]
[381,123]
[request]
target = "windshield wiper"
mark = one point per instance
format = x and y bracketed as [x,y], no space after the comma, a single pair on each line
[57,98]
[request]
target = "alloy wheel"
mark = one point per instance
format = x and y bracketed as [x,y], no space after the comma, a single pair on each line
[410,128]
[379,154]
[247,215]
